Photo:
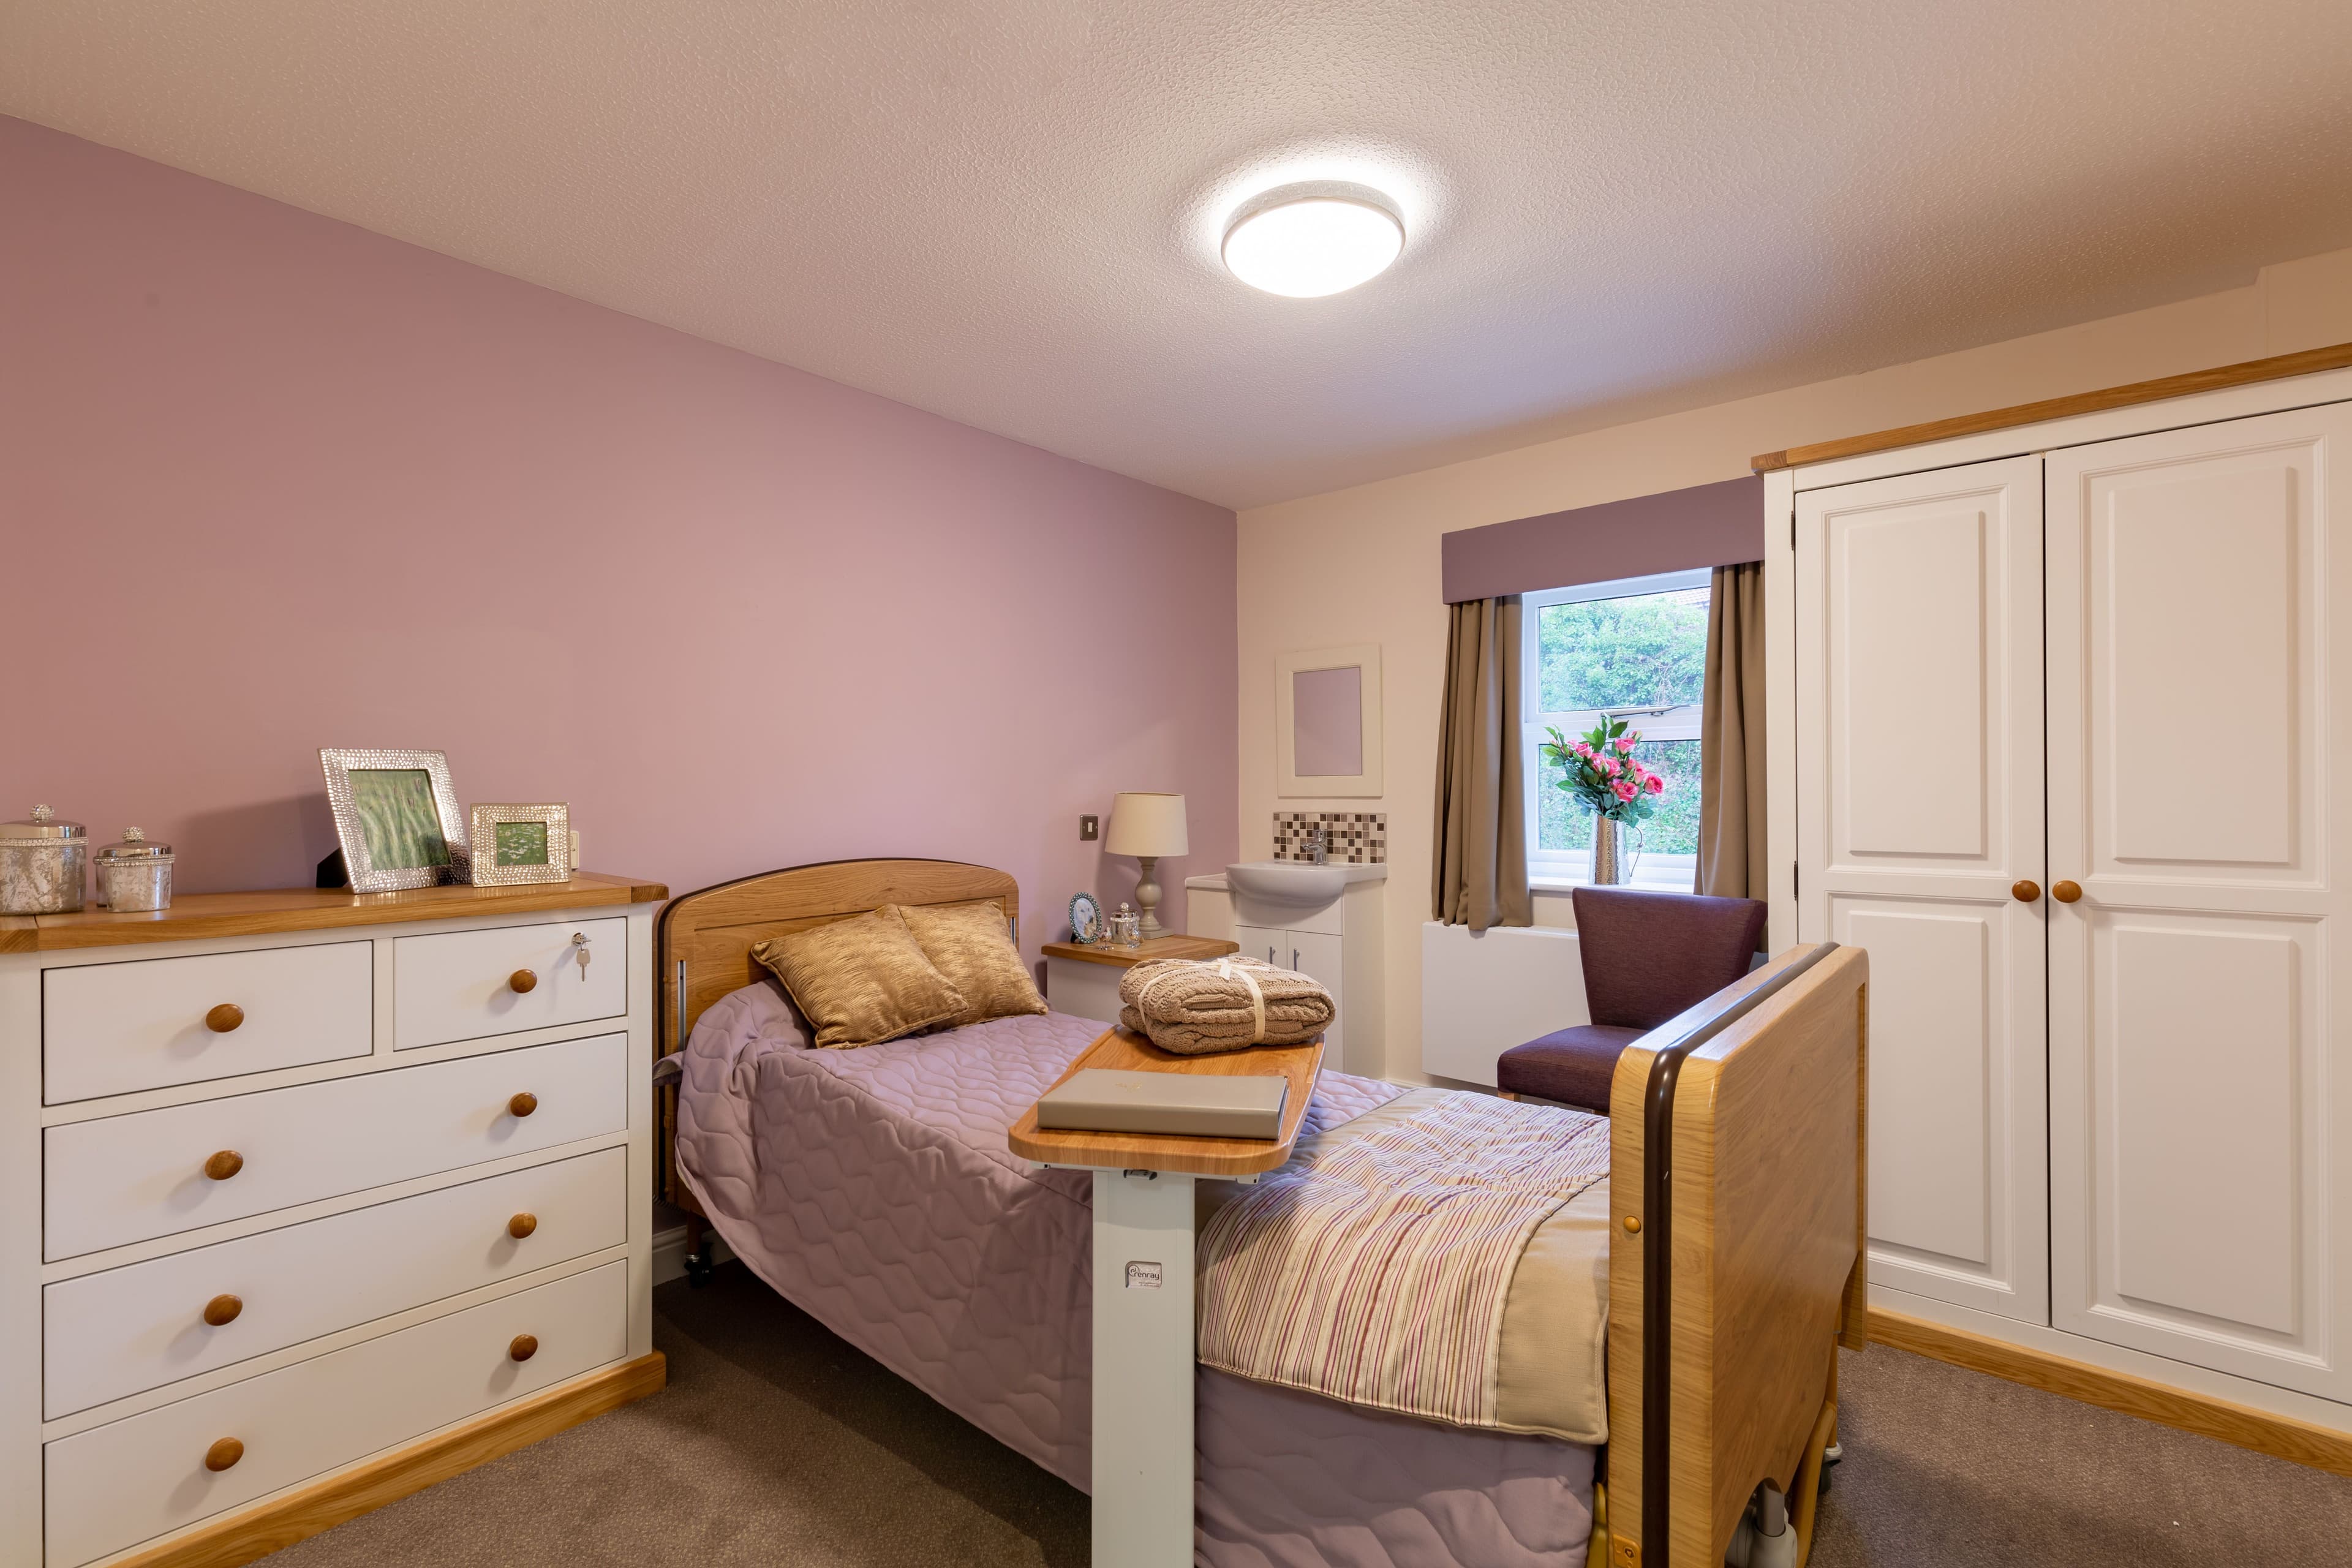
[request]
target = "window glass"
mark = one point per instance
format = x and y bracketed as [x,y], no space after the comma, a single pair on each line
[1634,651]
[1649,649]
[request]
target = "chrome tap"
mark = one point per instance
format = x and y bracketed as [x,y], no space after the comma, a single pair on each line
[1318,844]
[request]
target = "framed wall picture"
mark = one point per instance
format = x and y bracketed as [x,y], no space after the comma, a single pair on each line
[522,843]
[397,815]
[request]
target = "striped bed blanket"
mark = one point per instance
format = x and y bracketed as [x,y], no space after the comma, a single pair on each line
[1373,1269]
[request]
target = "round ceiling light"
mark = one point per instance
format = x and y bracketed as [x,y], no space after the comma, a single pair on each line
[1307,241]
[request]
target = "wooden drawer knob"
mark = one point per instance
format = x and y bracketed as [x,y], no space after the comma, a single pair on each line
[224,1165]
[224,1017]
[522,1225]
[522,1347]
[2025,890]
[223,1453]
[522,979]
[2065,892]
[222,1309]
[522,1104]
[1632,1224]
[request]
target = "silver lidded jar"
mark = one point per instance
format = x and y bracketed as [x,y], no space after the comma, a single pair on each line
[43,865]
[135,877]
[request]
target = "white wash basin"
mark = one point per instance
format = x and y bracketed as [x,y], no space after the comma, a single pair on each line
[1294,884]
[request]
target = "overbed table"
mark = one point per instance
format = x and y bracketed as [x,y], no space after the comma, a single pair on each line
[1143,1322]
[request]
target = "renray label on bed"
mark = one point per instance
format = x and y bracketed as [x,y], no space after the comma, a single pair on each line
[1143,1277]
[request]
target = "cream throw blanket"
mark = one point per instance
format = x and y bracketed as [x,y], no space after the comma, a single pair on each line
[1375,1271]
[1196,1006]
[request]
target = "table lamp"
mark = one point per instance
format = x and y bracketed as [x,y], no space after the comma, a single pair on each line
[1147,827]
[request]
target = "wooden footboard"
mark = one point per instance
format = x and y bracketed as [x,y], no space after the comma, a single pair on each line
[1748,1204]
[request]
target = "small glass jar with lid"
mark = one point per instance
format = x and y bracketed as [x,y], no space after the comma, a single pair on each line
[43,864]
[134,876]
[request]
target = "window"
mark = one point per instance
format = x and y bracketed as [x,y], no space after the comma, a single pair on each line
[1633,649]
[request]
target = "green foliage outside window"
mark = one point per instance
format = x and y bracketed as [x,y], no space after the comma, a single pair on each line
[1650,651]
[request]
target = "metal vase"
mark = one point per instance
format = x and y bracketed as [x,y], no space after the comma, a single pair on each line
[1608,870]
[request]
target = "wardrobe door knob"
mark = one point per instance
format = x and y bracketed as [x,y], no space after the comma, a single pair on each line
[2065,892]
[522,1105]
[2025,890]
[1632,1224]
[223,1454]
[224,1017]
[224,1165]
[522,979]
[522,1225]
[522,1347]
[221,1311]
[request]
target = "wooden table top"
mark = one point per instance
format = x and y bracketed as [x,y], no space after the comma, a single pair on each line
[1119,1050]
[1128,957]
[195,915]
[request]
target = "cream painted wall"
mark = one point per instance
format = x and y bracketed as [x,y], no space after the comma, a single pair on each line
[1361,564]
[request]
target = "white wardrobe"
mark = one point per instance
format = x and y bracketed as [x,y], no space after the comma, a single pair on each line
[2073,759]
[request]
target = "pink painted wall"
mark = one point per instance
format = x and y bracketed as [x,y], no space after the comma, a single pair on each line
[269,482]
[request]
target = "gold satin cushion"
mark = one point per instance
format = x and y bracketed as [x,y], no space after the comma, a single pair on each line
[968,943]
[861,981]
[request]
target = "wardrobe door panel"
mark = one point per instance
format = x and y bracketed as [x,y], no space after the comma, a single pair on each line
[1920,808]
[2200,1097]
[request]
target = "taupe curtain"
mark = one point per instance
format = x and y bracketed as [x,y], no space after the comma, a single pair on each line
[1481,860]
[1731,738]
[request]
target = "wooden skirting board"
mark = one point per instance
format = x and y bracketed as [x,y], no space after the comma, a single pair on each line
[2281,1436]
[2277,367]
[235,1539]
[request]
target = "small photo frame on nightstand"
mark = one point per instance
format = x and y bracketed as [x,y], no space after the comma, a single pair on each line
[1086,923]
[516,843]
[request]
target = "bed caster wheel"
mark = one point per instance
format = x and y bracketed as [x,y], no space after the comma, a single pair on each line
[1822,1489]
[698,1270]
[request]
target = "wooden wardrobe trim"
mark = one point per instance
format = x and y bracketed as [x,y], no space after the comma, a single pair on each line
[2307,362]
[235,1539]
[2281,1436]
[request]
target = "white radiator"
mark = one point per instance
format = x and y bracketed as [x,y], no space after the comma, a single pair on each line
[1483,993]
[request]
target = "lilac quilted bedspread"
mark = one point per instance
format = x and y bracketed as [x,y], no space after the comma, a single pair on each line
[874,1189]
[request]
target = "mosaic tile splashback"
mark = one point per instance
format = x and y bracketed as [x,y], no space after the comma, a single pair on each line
[1358,837]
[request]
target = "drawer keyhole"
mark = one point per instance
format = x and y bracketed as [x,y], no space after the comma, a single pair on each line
[522,1347]
[224,1165]
[223,1454]
[224,1017]
[221,1311]
[522,1225]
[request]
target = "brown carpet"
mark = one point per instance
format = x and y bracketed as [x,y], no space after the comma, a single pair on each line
[776,1444]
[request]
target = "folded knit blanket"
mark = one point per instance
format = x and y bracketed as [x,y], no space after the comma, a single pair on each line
[1194,1007]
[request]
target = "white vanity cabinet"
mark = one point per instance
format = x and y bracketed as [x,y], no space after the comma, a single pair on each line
[2073,759]
[309,1199]
[1339,945]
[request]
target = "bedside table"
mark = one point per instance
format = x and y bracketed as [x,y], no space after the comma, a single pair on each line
[1082,978]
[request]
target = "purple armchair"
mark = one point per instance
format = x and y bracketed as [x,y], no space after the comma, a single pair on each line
[1647,957]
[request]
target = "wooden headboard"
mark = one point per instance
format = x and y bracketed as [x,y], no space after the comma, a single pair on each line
[703,942]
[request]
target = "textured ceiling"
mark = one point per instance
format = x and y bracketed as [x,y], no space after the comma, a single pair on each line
[1006,211]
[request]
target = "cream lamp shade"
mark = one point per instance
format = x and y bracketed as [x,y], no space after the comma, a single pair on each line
[1144,824]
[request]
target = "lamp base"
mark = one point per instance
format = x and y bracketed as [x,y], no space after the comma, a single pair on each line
[1147,897]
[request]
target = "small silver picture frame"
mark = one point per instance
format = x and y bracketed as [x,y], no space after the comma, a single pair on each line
[396,816]
[520,842]
[1086,925]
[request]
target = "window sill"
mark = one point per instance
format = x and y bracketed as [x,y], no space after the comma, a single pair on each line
[1640,884]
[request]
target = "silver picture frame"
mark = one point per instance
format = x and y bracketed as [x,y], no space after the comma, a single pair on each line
[551,841]
[385,817]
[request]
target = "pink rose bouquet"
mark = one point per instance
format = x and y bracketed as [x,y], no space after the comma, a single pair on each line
[1602,772]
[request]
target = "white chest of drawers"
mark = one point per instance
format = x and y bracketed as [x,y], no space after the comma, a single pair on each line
[362,1181]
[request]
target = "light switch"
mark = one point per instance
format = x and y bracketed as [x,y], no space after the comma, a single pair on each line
[1089,829]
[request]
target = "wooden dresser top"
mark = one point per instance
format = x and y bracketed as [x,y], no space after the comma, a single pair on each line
[195,916]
